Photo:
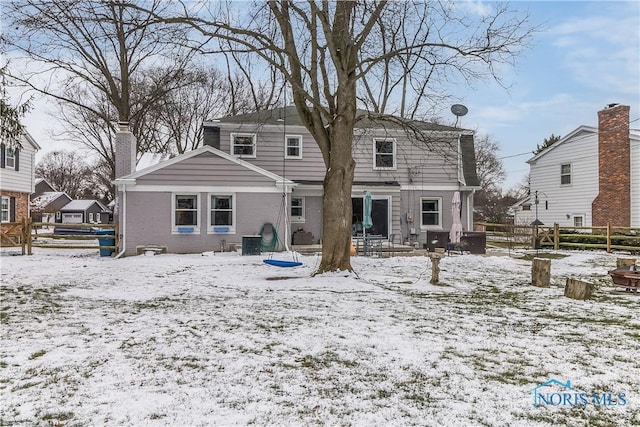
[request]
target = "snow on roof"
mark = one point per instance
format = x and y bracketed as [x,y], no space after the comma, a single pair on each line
[47,197]
[150,159]
[82,205]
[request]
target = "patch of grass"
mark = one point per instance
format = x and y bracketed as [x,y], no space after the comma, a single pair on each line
[57,417]
[37,354]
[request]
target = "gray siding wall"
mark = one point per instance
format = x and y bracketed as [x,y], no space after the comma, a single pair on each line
[204,169]
[434,163]
[149,221]
[411,204]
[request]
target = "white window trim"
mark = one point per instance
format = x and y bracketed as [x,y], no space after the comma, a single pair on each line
[298,219]
[375,152]
[429,226]
[8,210]
[582,217]
[8,150]
[570,174]
[243,156]
[175,228]
[286,147]
[90,216]
[232,228]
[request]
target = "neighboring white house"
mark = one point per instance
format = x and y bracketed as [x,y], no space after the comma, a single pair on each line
[590,177]
[17,178]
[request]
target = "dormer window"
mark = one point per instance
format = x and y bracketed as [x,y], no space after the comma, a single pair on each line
[243,145]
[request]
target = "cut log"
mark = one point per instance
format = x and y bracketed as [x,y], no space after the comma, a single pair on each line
[435,267]
[625,262]
[541,272]
[578,289]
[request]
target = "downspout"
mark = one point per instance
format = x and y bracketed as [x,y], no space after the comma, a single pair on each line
[123,214]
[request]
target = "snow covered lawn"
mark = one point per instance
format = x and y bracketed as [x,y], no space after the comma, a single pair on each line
[225,340]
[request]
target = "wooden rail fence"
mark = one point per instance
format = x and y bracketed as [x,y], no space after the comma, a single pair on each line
[28,234]
[606,237]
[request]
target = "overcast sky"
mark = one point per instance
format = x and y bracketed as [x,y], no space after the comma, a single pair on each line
[588,56]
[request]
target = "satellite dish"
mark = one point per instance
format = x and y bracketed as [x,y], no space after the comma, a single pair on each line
[459,110]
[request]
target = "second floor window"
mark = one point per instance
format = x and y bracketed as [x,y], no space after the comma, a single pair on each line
[243,144]
[565,174]
[10,158]
[384,154]
[293,148]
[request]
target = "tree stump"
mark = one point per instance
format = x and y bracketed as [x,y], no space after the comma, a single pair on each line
[541,272]
[625,262]
[435,267]
[577,289]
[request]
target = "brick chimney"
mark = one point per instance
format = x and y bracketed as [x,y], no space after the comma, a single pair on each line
[613,204]
[125,151]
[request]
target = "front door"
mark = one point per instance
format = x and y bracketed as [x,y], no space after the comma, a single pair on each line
[379,216]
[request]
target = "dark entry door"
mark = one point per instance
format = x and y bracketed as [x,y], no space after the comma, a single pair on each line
[379,216]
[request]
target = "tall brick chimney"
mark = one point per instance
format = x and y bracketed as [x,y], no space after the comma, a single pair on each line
[613,204]
[125,151]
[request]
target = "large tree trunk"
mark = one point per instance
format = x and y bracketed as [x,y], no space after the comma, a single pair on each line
[336,200]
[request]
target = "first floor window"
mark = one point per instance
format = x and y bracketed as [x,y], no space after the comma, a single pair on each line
[6,206]
[565,174]
[293,147]
[90,216]
[243,145]
[186,209]
[297,207]
[430,212]
[222,211]
[578,221]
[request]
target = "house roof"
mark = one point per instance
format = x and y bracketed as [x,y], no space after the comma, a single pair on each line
[196,152]
[151,159]
[365,120]
[47,198]
[82,205]
[468,153]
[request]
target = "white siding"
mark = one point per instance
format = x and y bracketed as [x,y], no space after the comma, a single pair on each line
[635,181]
[556,201]
[21,180]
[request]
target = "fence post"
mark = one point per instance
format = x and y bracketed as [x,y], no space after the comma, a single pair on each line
[608,237]
[556,236]
[23,235]
[30,237]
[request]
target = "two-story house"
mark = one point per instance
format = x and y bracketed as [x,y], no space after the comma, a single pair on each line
[17,168]
[234,184]
[590,177]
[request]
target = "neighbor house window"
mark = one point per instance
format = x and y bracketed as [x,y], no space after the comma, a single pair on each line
[565,174]
[90,216]
[185,213]
[221,213]
[5,211]
[9,158]
[578,221]
[297,209]
[384,154]
[243,144]
[526,207]
[293,147]
[431,212]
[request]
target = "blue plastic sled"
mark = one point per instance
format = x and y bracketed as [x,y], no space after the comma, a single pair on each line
[280,263]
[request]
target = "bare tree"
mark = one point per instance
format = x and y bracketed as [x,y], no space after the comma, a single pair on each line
[490,169]
[88,55]
[66,171]
[325,51]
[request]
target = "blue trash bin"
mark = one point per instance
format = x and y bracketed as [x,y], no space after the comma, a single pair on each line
[106,241]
